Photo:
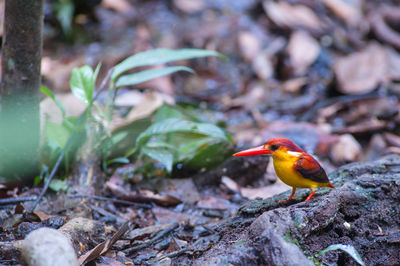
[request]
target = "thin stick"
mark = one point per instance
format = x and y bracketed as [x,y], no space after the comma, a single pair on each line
[125,202]
[159,236]
[9,201]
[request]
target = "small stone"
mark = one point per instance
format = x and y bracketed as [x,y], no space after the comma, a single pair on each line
[347,225]
[47,247]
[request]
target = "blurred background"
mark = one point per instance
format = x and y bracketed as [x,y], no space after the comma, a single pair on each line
[323,73]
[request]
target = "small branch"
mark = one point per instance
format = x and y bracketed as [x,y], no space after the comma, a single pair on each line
[177,253]
[9,201]
[146,244]
[125,202]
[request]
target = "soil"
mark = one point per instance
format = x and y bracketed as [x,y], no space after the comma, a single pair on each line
[363,211]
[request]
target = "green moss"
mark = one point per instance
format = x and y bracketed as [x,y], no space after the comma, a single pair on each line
[300,221]
[315,260]
[240,242]
[290,239]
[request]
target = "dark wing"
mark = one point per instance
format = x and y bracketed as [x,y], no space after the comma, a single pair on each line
[310,169]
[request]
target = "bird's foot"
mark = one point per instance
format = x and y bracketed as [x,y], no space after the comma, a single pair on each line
[311,196]
[280,201]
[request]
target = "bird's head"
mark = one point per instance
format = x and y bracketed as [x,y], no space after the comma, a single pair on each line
[274,146]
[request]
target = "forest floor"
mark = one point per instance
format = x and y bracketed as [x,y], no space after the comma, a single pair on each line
[324,74]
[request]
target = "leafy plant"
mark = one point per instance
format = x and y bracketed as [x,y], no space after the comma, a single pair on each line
[346,248]
[169,140]
[173,139]
[64,12]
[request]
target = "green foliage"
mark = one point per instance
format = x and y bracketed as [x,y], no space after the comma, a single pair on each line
[50,94]
[82,83]
[173,139]
[64,12]
[146,75]
[346,248]
[159,56]
[56,185]
[57,134]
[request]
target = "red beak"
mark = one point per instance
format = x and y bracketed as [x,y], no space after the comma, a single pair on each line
[253,151]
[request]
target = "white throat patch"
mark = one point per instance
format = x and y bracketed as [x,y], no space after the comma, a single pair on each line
[294,153]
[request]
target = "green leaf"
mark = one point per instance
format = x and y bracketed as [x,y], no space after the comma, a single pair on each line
[174,125]
[159,56]
[160,154]
[82,83]
[346,248]
[166,112]
[58,185]
[57,134]
[50,94]
[44,173]
[64,11]
[146,75]
[122,160]
[209,156]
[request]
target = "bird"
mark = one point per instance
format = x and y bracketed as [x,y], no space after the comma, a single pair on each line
[293,166]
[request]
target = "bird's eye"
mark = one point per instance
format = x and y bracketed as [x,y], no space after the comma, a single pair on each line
[274,147]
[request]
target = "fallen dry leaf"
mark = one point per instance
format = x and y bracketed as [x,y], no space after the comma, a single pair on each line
[121,6]
[347,10]
[259,192]
[294,85]
[303,50]
[292,16]
[263,66]
[379,20]
[363,71]
[230,184]
[214,203]
[149,103]
[103,247]
[346,150]
[42,215]
[129,98]
[164,215]
[392,139]
[249,45]
[376,149]
[393,67]
[142,195]
[255,96]
[363,127]
[265,192]
[149,231]
[190,6]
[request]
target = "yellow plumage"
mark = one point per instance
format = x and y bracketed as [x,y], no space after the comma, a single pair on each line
[283,164]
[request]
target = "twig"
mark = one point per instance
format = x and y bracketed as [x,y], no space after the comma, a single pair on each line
[159,236]
[177,253]
[9,201]
[125,202]
[61,156]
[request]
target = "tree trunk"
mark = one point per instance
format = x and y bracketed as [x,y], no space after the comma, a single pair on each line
[20,90]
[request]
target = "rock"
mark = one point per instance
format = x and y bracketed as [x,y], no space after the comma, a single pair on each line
[81,231]
[362,212]
[47,247]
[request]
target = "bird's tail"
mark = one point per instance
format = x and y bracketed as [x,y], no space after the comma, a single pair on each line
[330,185]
